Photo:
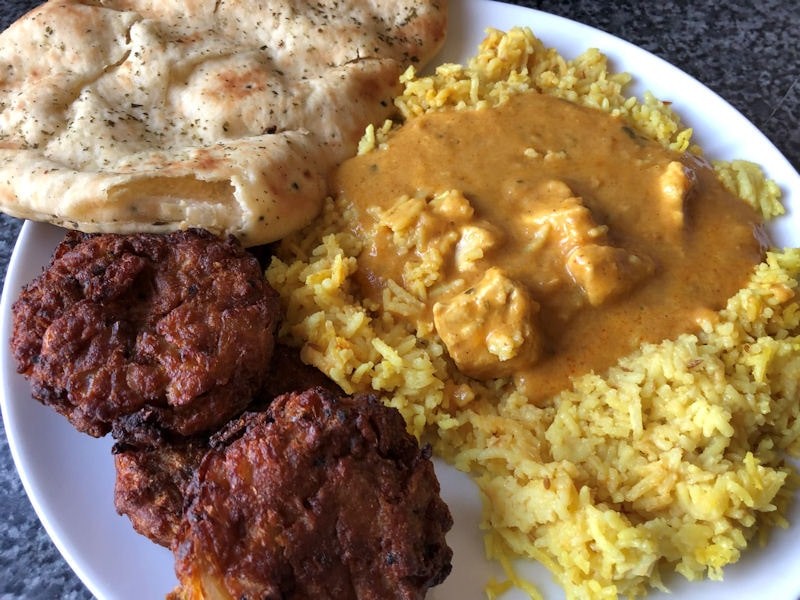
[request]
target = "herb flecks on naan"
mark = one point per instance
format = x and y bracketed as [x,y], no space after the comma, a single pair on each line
[137,115]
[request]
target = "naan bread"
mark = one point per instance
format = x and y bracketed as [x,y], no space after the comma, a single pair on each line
[156,115]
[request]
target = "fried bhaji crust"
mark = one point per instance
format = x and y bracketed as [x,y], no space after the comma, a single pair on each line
[322,497]
[180,326]
[151,484]
[153,469]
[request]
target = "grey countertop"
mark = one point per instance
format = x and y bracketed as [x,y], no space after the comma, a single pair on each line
[749,55]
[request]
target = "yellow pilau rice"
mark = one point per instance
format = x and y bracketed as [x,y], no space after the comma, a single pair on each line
[671,460]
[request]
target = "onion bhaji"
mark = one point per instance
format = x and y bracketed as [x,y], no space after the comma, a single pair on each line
[174,329]
[164,340]
[320,496]
[153,469]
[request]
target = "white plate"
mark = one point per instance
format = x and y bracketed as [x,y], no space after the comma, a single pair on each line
[69,477]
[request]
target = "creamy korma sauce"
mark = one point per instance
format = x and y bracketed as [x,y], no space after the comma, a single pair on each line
[563,239]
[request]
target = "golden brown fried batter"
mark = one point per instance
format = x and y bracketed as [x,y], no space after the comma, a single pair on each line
[176,330]
[322,497]
[154,469]
[151,484]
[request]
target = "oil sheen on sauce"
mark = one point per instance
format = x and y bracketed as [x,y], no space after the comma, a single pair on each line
[592,240]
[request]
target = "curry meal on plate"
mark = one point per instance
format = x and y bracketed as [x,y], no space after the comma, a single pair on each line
[302,267]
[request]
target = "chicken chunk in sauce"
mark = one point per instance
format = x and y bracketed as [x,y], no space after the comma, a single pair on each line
[582,245]
[490,328]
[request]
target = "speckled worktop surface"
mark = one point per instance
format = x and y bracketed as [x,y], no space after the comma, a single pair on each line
[750,56]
